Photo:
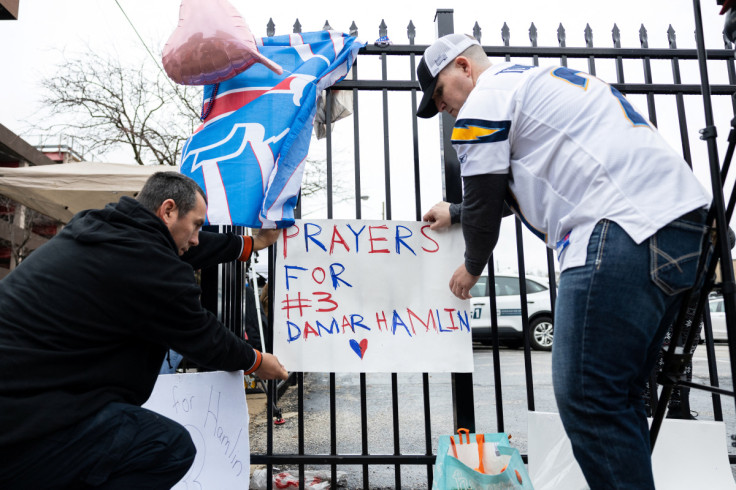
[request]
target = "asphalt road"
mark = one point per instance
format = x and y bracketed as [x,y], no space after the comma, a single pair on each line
[411,411]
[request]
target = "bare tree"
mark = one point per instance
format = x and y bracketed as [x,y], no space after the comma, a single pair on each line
[314,181]
[108,104]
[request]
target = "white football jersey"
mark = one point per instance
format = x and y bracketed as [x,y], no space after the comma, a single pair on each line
[576,152]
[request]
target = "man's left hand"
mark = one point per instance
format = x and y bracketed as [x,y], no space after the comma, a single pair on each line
[439,216]
[461,282]
[271,368]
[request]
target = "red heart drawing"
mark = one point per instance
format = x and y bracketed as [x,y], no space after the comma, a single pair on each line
[359,348]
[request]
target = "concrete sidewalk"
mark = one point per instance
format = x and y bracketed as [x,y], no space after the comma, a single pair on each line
[256,404]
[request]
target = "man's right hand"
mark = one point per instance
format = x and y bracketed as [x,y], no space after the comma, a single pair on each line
[265,238]
[271,368]
[439,216]
[462,282]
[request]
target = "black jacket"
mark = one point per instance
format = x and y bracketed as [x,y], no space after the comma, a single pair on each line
[87,318]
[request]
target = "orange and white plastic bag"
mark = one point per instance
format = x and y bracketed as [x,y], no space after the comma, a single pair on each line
[478,461]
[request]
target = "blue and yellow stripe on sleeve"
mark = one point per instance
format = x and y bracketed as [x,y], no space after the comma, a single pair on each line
[472,131]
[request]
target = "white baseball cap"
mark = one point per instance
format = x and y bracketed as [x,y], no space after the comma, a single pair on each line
[436,57]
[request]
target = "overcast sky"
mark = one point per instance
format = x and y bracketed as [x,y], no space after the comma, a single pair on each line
[31,45]
[49,30]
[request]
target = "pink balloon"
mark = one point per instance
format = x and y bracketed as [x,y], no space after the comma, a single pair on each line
[211,44]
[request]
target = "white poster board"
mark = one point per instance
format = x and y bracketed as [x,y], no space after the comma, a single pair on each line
[688,454]
[212,408]
[369,296]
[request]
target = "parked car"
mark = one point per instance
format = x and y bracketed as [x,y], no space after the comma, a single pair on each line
[508,312]
[717,319]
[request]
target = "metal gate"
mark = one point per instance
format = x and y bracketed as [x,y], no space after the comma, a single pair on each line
[672,97]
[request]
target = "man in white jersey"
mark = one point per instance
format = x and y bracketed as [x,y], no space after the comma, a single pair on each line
[590,176]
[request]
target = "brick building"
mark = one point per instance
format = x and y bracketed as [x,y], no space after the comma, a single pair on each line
[22,230]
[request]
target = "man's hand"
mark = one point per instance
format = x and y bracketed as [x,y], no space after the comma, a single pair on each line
[439,216]
[271,368]
[265,238]
[461,282]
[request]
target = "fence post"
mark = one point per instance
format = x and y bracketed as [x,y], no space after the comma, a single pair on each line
[462,383]
[451,188]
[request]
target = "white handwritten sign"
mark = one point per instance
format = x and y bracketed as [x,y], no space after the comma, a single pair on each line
[212,408]
[369,296]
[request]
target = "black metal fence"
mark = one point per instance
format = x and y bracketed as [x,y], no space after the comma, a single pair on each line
[674,98]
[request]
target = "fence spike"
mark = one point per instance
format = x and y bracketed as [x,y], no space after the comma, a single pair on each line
[327,26]
[643,37]
[561,36]
[297,27]
[672,37]
[533,35]
[382,29]
[562,40]
[270,28]
[616,34]
[588,36]
[353,30]
[476,32]
[411,32]
[505,34]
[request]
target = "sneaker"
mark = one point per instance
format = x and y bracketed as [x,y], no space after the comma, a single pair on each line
[677,414]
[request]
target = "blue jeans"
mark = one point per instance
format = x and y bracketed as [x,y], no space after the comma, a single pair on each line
[121,447]
[171,362]
[610,319]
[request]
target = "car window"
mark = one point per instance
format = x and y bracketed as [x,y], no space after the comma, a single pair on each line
[716,306]
[480,290]
[534,287]
[507,286]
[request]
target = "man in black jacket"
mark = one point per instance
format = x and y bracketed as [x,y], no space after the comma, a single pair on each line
[85,322]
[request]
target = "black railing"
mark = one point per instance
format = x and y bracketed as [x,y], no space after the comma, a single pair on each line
[462,386]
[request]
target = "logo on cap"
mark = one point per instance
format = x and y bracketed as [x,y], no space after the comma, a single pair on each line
[440,59]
